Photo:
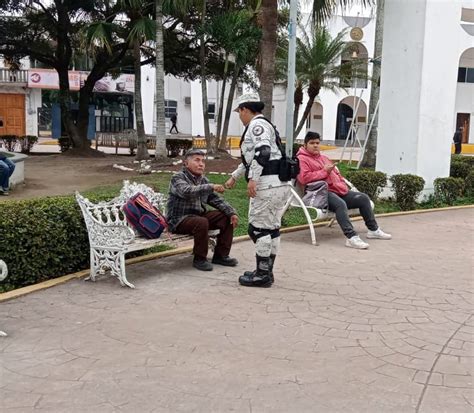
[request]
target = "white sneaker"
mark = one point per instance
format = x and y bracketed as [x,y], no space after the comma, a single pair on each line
[378,234]
[356,242]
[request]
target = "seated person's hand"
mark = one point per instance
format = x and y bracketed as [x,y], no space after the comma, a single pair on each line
[329,167]
[234,220]
[230,183]
[219,188]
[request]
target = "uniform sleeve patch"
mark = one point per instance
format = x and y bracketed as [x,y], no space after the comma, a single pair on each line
[257,130]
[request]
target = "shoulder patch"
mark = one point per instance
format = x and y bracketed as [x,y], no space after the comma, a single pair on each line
[257,130]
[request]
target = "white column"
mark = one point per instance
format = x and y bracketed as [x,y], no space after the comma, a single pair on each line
[418,87]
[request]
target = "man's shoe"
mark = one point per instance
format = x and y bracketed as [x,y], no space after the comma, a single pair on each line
[378,234]
[226,261]
[357,243]
[202,265]
[4,193]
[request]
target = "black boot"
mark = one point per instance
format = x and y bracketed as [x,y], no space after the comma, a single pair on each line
[258,278]
[270,269]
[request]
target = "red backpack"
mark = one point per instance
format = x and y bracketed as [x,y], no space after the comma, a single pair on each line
[144,217]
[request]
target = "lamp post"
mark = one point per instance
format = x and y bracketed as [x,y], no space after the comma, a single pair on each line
[290,88]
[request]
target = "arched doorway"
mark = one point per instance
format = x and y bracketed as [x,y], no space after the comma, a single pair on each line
[464,106]
[345,113]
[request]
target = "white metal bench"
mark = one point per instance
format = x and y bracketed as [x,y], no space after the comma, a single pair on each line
[111,236]
[3,275]
[296,201]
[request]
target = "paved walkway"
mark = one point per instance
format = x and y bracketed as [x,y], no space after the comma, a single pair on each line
[384,330]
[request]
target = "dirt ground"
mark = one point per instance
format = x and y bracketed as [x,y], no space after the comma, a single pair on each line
[58,175]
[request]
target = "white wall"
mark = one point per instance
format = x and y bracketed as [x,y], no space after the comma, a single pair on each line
[418,87]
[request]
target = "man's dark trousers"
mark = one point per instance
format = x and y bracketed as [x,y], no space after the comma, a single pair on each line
[198,226]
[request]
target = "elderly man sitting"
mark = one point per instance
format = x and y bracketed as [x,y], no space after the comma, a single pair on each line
[189,193]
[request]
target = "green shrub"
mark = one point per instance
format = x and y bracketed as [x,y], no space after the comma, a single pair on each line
[463,158]
[407,188]
[459,169]
[42,239]
[27,142]
[368,181]
[10,142]
[448,189]
[469,184]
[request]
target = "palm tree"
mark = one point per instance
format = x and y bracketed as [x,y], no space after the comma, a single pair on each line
[141,30]
[322,10]
[160,151]
[317,65]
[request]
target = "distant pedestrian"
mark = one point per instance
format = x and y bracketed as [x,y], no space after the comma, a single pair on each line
[174,120]
[457,139]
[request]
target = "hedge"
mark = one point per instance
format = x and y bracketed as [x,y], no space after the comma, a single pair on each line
[42,239]
[448,190]
[407,188]
[368,181]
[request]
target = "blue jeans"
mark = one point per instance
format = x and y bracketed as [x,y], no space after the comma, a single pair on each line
[6,170]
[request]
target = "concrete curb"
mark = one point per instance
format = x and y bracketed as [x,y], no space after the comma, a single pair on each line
[19,292]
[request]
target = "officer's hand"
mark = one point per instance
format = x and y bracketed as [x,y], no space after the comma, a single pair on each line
[219,188]
[234,220]
[230,183]
[252,189]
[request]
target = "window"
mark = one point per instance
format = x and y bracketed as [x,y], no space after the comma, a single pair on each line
[211,109]
[466,75]
[171,107]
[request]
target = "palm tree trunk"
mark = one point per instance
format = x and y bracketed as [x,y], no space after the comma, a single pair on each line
[306,113]
[268,43]
[142,150]
[370,155]
[298,100]
[161,151]
[202,62]
[221,101]
[228,110]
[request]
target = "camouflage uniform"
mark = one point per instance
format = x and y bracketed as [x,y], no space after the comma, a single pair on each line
[260,162]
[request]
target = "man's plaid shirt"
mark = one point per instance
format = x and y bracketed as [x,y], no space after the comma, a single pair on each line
[189,195]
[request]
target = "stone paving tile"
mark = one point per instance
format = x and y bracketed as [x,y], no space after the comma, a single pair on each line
[390,329]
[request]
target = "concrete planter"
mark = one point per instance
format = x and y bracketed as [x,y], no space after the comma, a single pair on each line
[18,176]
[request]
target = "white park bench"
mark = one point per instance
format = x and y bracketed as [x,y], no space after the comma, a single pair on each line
[3,275]
[296,201]
[111,236]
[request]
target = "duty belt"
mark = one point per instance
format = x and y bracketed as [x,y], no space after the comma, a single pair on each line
[271,168]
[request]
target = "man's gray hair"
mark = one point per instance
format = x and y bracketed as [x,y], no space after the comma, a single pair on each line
[193,152]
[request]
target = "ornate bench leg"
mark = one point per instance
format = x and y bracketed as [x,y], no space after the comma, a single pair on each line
[116,262]
[95,265]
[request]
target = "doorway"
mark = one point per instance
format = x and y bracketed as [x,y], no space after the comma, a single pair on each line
[462,121]
[344,119]
[12,113]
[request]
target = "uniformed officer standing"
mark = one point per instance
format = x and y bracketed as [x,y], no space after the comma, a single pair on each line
[268,195]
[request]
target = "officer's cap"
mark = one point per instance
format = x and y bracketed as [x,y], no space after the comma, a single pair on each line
[246,98]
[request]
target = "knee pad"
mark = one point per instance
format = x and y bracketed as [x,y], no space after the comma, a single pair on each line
[256,233]
[263,246]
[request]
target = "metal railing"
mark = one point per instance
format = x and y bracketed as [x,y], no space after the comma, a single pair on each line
[17,76]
